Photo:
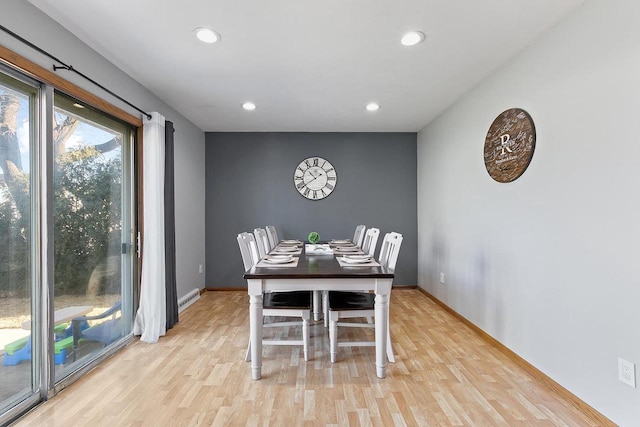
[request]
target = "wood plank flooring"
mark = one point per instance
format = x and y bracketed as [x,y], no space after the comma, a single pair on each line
[444,375]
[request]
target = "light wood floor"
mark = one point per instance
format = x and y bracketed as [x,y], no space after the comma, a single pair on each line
[444,375]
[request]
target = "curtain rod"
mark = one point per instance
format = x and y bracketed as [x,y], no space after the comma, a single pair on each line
[64,66]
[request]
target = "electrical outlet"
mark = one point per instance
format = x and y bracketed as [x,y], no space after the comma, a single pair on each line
[442,277]
[627,372]
[200,269]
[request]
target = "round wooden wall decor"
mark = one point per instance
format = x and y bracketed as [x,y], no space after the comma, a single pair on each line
[509,145]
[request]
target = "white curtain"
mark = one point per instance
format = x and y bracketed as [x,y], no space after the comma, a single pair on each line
[151,317]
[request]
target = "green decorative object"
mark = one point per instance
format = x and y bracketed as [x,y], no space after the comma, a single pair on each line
[314,237]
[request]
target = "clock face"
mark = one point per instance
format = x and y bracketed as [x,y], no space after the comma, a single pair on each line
[315,178]
[509,145]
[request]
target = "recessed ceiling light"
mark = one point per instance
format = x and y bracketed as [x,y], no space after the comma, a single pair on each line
[249,106]
[207,35]
[372,106]
[78,105]
[412,38]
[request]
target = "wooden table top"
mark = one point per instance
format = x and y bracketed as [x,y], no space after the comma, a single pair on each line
[318,267]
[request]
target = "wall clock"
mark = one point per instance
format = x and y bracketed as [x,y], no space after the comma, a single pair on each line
[509,145]
[315,178]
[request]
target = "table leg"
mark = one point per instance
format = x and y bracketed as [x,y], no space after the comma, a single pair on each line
[382,325]
[317,304]
[255,335]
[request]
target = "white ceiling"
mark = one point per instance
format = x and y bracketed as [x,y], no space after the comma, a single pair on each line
[308,65]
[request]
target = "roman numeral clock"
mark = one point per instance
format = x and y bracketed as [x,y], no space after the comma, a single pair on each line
[315,178]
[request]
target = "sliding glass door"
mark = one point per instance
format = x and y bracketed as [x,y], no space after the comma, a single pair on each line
[18,373]
[92,232]
[66,233]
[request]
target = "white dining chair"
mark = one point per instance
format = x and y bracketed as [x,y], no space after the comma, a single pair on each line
[344,305]
[272,234]
[278,304]
[389,250]
[370,241]
[368,247]
[248,250]
[358,236]
[262,241]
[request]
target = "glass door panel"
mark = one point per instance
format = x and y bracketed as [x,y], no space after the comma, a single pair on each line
[92,234]
[65,189]
[17,124]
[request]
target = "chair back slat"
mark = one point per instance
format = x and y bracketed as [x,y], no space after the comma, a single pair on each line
[370,241]
[248,250]
[272,234]
[390,250]
[358,236]
[262,241]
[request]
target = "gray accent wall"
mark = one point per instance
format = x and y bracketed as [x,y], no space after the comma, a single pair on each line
[249,184]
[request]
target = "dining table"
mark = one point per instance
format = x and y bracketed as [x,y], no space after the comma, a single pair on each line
[318,271]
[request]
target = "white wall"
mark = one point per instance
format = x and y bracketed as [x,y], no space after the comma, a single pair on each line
[548,264]
[27,21]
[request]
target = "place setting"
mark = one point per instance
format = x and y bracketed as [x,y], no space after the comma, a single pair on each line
[290,242]
[347,250]
[278,261]
[340,243]
[361,260]
[287,249]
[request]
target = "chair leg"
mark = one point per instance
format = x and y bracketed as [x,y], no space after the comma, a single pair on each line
[305,334]
[333,339]
[333,335]
[306,317]
[325,307]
